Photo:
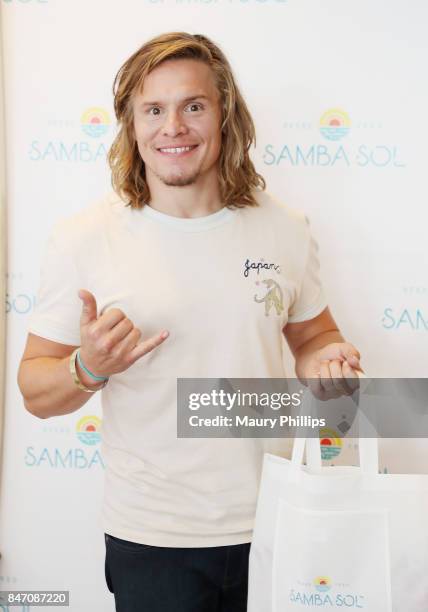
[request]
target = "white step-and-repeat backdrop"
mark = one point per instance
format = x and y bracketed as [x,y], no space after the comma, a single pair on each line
[339,96]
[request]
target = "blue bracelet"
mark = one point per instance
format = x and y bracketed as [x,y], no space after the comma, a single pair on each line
[85,369]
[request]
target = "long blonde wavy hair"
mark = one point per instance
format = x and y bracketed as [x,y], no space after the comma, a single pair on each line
[237,175]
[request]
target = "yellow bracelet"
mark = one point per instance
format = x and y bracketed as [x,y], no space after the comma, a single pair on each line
[76,379]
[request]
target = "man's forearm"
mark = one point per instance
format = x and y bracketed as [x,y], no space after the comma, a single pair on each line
[305,352]
[48,388]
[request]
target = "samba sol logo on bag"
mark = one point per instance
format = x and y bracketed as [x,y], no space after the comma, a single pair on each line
[322,593]
[331,444]
[322,584]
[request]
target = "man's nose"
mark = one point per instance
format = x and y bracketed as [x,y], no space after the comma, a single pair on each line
[174,124]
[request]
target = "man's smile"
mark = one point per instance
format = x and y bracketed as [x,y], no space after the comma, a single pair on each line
[180,151]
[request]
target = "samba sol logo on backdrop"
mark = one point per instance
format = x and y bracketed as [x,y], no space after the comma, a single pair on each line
[413,319]
[64,142]
[322,593]
[88,430]
[335,124]
[95,122]
[66,455]
[408,313]
[223,3]
[9,583]
[25,2]
[18,300]
[333,148]
[15,608]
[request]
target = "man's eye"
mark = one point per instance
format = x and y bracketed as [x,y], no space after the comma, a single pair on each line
[155,111]
[195,106]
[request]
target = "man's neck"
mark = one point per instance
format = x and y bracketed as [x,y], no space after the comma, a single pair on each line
[197,200]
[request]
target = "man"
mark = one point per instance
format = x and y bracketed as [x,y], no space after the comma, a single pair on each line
[188,270]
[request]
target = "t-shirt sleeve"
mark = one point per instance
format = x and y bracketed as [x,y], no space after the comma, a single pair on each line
[57,310]
[310,300]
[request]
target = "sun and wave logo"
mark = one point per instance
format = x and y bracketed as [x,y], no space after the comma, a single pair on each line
[335,124]
[322,584]
[331,444]
[88,430]
[95,122]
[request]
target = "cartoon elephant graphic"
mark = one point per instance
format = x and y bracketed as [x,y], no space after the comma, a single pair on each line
[273,297]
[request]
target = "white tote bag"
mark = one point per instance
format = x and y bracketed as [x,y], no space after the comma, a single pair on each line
[338,538]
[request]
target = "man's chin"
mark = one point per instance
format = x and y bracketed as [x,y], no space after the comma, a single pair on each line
[179,180]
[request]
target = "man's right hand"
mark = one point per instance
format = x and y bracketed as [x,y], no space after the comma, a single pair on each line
[110,343]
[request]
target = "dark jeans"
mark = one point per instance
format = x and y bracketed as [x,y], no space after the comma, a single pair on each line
[159,579]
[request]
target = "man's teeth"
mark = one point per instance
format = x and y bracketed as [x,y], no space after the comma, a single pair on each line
[177,149]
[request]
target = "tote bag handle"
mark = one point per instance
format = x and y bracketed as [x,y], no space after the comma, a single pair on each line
[368,445]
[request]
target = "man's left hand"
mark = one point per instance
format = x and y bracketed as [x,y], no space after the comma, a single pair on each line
[332,370]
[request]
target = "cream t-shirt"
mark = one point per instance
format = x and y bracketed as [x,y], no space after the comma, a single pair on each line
[207,281]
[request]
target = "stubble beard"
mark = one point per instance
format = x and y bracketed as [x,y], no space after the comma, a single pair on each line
[179,181]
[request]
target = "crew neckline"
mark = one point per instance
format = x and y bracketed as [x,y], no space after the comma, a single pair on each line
[188,224]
